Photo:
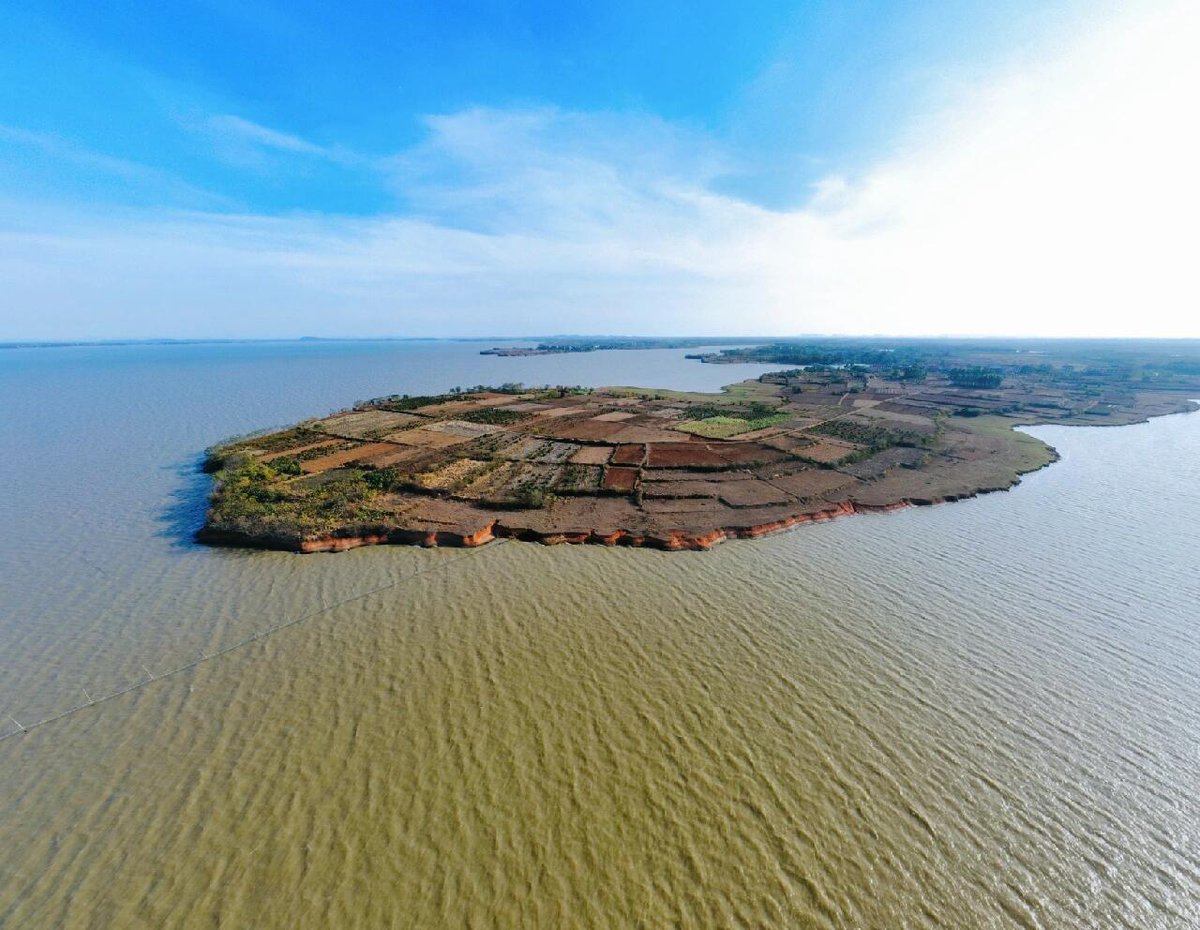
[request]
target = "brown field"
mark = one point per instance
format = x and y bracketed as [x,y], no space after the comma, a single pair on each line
[758,435]
[324,443]
[684,455]
[367,424]
[587,430]
[430,439]
[813,483]
[690,488]
[464,429]
[747,453]
[633,454]
[681,505]
[827,450]
[619,479]
[273,442]
[710,454]
[395,456]
[655,475]
[631,434]
[456,408]
[614,416]
[592,455]
[752,494]
[344,457]
[788,442]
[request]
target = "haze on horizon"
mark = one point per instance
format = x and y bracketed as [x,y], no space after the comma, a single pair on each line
[274,170]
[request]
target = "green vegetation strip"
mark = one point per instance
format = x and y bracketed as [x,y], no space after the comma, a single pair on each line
[722,427]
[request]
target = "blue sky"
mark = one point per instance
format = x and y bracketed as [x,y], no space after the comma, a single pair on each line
[230,168]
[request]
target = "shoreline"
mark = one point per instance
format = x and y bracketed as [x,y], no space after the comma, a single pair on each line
[670,541]
[668,470]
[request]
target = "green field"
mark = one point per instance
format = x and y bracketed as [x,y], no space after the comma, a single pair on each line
[726,427]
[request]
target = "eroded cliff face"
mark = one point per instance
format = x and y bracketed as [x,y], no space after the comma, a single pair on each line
[670,540]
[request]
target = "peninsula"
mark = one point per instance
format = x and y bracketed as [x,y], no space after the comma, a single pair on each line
[667,469]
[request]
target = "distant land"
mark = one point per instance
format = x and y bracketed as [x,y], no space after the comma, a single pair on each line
[549,345]
[856,349]
[560,343]
[848,426]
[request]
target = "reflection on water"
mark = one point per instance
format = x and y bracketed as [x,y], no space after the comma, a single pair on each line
[977,715]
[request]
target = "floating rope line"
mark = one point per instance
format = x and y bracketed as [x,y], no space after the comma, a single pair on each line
[150,678]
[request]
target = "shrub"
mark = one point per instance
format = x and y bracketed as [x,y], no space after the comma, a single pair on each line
[287,466]
[493,416]
[975,377]
[531,496]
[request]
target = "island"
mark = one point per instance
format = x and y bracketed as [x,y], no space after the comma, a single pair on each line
[670,469]
[567,345]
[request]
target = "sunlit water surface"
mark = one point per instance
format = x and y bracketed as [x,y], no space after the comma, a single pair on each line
[984,714]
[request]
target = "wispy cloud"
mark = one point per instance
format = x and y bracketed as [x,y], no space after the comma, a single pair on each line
[85,162]
[247,143]
[243,130]
[1055,199]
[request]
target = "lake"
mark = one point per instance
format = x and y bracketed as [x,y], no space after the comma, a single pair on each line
[978,715]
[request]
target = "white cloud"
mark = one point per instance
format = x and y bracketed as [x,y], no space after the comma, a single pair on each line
[86,163]
[1060,200]
[247,131]
[1057,199]
[249,144]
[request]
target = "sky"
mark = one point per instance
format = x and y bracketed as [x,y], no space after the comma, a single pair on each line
[230,168]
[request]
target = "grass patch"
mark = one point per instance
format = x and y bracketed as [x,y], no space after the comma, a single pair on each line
[743,392]
[493,416]
[254,498]
[725,427]
[1029,452]
[873,437]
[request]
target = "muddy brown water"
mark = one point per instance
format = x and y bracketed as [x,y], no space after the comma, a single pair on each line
[983,714]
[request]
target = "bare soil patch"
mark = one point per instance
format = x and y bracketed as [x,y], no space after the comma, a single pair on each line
[619,479]
[464,429]
[430,439]
[367,424]
[752,494]
[827,451]
[681,489]
[395,456]
[592,455]
[683,455]
[632,454]
[323,444]
[614,416]
[346,456]
[884,461]
[815,482]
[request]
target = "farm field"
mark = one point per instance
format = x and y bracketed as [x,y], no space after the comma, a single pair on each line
[653,467]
